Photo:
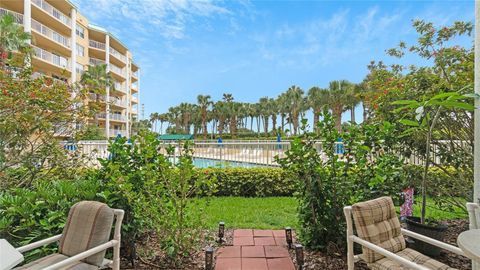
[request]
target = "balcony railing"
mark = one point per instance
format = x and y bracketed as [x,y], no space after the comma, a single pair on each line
[120,71]
[118,54]
[51,34]
[52,11]
[96,44]
[112,116]
[51,58]
[18,17]
[135,74]
[113,100]
[95,61]
[116,132]
[134,99]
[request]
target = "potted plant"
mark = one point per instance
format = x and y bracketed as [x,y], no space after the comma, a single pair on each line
[427,114]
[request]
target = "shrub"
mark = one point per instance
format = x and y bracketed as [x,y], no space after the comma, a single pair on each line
[31,214]
[327,182]
[155,194]
[251,182]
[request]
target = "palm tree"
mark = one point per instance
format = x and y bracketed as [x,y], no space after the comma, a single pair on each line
[153,121]
[96,79]
[283,109]
[274,112]
[337,99]
[296,104]
[12,38]
[204,103]
[353,99]
[317,99]
[264,112]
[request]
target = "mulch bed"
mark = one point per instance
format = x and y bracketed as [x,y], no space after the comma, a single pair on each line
[333,259]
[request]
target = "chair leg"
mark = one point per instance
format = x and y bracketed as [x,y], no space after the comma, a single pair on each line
[116,257]
[350,254]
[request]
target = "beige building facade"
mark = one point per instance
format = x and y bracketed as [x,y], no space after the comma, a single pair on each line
[65,44]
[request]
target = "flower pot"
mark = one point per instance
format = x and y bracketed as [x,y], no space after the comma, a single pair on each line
[436,231]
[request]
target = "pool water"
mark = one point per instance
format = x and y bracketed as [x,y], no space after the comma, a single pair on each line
[205,163]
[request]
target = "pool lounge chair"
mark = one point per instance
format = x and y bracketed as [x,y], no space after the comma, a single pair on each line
[84,240]
[382,239]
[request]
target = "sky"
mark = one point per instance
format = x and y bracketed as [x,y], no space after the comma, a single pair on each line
[253,49]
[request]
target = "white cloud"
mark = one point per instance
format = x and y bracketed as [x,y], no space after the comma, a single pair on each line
[169,17]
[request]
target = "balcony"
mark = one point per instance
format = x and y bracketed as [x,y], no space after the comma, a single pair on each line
[51,34]
[51,58]
[135,74]
[42,4]
[95,61]
[117,70]
[116,132]
[96,45]
[118,55]
[134,99]
[113,100]
[18,17]
[112,116]
[119,87]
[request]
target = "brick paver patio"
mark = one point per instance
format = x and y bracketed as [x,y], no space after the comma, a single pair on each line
[255,250]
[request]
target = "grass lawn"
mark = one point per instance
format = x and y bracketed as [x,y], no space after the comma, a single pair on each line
[258,213]
[280,212]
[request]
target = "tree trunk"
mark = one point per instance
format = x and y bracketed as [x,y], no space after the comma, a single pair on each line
[352,115]
[265,125]
[316,116]
[337,114]
[251,123]
[274,122]
[283,121]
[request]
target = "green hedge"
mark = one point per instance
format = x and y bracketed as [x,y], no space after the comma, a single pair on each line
[251,182]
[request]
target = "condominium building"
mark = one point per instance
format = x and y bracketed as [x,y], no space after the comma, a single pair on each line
[65,43]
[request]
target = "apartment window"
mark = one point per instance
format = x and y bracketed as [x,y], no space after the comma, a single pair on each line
[80,31]
[79,68]
[80,50]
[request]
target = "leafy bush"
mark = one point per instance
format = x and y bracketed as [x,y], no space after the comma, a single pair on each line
[31,214]
[155,194]
[251,182]
[328,182]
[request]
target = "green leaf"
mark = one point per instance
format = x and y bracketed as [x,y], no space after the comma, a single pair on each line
[405,102]
[408,122]
[444,95]
[458,105]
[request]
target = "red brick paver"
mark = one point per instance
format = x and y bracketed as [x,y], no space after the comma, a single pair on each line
[255,250]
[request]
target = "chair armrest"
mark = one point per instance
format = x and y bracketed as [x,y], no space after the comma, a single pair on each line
[40,243]
[83,255]
[434,242]
[388,254]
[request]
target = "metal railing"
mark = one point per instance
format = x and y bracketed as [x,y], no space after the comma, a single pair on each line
[119,87]
[119,71]
[94,61]
[135,74]
[51,34]
[52,11]
[112,116]
[50,57]
[18,17]
[96,44]
[118,54]
[261,153]
[116,132]
[134,99]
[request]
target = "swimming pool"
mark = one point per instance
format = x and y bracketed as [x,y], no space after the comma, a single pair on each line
[206,162]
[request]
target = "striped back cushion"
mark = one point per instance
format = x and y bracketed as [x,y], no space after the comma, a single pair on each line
[89,224]
[377,222]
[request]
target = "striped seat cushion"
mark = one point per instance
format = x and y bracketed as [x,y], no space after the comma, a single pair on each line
[377,223]
[411,255]
[53,259]
[89,224]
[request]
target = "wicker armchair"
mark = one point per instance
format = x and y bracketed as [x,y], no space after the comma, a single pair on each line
[84,240]
[382,239]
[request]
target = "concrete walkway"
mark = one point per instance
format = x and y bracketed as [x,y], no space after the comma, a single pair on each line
[255,250]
